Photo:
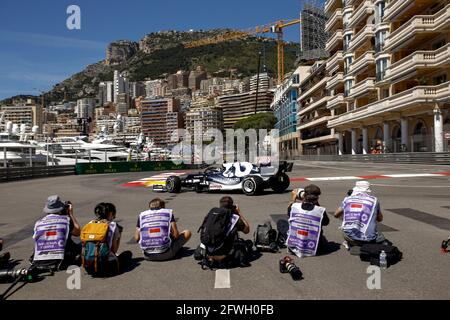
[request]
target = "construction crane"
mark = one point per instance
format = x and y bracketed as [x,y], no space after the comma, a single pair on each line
[276,28]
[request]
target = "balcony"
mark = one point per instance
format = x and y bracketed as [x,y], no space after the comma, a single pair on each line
[365,8]
[336,80]
[335,101]
[334,62]
[334,41]
[437,23]
[313,89]
[334,19]
[331,5]
[363,35]
[362,88]
[416,96]
[395,8]
[329,137]
[313,123]
[314,105]
[362,62]
[439,58]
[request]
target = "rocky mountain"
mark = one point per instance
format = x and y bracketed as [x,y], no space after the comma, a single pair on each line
[164,52]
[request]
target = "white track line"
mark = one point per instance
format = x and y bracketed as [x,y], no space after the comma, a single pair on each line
[222,279]
[412,175]
[334,178]
[406,186]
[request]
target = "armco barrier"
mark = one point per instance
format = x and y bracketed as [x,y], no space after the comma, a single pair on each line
[115,167]
[21,173]
[413,158]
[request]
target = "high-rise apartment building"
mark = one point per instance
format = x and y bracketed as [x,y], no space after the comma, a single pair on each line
[285,108]
[265,82]
[160,118]
[136,89]
[120,84]
[242,105]
[205,112]
[393,60]
[29,114]
[313,113]
[195,77]
[123,103]
[85,108]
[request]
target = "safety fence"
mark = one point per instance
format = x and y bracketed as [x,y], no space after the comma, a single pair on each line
[439,158]
[21,173]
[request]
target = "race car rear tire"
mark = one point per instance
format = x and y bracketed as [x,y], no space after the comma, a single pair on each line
[280,183]
[173,184]
[252,185]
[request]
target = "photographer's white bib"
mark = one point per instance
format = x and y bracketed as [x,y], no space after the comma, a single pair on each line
[359,221]
[50,236]
[155,230]
[305,228]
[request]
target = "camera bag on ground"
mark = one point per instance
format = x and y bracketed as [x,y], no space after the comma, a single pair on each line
[95,250]
[266,238]
[241,254]
[213,231]
[370,252]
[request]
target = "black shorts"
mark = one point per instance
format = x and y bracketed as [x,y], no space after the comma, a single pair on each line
[175,246]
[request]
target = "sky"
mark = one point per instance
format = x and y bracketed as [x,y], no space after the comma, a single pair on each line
[37,50]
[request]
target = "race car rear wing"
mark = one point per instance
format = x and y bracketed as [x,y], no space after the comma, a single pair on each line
[269,170]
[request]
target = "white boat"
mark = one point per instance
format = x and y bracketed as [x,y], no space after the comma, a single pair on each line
[15,151]
[80,151]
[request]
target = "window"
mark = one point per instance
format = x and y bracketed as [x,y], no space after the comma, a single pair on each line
[440,79]
[347,62]
[347,39]
[346,18]
[348,84]
[420,129]
[379,12]
[380,38]
[381,68]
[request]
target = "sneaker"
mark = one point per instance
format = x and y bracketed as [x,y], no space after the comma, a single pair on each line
[346,245]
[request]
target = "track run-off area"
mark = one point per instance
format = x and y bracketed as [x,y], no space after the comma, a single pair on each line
[415,201]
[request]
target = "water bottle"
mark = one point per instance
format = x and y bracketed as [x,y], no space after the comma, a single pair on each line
[383,261]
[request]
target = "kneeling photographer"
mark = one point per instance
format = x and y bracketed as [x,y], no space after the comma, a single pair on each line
[220,242]
[52,235]
[306,220]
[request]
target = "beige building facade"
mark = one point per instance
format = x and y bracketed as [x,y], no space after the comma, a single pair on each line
[390,71]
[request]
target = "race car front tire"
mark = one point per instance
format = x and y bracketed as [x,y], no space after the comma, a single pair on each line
[173,184]
[252,185]
[280,183]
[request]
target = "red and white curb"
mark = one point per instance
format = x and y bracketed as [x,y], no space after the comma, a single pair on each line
[161,178]
[150,181]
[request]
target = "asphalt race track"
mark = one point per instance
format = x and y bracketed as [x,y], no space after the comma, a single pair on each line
[416,211]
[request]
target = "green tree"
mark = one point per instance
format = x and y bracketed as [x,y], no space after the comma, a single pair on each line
[257,121]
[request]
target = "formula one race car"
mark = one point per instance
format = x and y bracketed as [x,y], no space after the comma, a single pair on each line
[251,179]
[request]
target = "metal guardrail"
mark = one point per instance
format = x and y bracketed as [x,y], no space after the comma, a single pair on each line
[417,157]
[21,173]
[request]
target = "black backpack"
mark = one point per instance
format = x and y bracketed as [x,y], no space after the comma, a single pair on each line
[266,238]
[370,252]
[214,228]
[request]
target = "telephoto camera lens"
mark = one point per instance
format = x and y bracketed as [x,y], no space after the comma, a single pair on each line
[287,265]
